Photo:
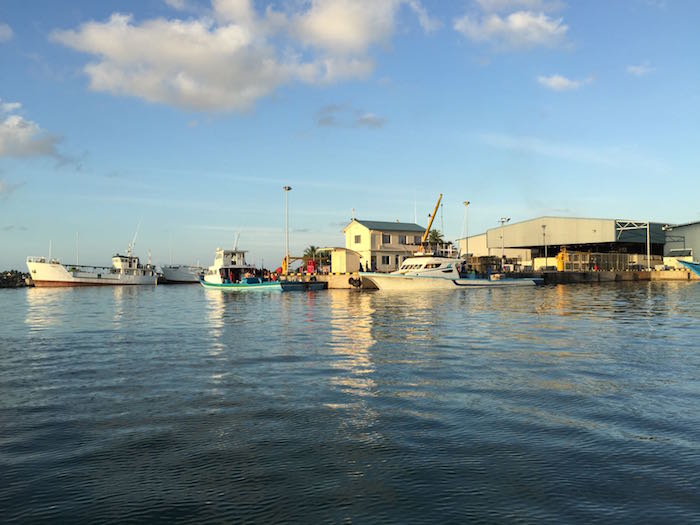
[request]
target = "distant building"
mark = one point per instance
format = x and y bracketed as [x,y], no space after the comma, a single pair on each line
[683,240]
[381,245]
[527,240]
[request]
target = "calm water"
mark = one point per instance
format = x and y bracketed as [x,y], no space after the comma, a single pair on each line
[559,404]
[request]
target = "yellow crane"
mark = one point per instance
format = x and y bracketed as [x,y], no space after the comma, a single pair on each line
[427,230]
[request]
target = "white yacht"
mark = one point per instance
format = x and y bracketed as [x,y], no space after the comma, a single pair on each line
[432,272]
[181,273]
[125,270]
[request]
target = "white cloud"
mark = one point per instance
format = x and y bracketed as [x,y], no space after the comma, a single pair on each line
[370,120]
[428,23]
[9,107]
[346,26]
[6,32]
[560,83]
[235,55]
[518,30]
[640,70]
[499,6]
[20,137]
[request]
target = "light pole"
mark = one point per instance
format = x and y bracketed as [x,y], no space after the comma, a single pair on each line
[544,242]
[466,230]
[503,220]
[286,189]
[648,248]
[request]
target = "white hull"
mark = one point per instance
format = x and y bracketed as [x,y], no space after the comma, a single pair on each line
[54,274]
[182,274]
[395,282]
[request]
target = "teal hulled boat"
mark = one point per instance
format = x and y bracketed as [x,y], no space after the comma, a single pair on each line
[693,266]
[249,283]
[231,272]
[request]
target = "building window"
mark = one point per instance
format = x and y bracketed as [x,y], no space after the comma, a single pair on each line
[416,239]
[358,239]
[385,259]
[386,238]
[402,239]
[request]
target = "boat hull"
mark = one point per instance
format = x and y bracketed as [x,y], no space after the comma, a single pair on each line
[394,282]
[693,266]
[242,287]
[56,275]
[303,286]
[181,274]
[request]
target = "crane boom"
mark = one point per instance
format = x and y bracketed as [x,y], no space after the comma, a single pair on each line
[432,218]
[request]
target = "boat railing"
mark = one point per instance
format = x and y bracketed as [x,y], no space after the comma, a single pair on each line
[48,260]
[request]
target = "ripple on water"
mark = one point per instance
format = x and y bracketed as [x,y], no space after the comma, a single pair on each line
[557,404]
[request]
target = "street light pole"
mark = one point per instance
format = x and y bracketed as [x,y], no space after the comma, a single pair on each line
[544,242]
[286,189]
[503,220]
[648,249]
[466,229]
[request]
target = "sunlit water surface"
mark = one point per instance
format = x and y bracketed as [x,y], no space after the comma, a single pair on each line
[559,404]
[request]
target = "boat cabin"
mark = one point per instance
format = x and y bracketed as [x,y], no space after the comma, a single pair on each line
[125,262]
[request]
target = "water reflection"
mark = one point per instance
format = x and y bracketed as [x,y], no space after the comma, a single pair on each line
[45,307]
[215,312]
[351,342]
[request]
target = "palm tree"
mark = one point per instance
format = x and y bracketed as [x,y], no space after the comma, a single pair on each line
[313,253]
[435,237]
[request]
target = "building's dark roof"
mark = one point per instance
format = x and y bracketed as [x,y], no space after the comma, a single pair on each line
[686,224]
[388,226]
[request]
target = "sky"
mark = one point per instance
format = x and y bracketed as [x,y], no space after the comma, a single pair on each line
[178,122]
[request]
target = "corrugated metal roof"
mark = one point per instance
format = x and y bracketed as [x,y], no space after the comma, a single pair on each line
[686,224]
[388,226]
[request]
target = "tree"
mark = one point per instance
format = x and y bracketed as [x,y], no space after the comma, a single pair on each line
[435,237]
[313,253]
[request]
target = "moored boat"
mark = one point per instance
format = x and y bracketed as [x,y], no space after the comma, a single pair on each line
[303,286]
[431,272]
[125,270]
[231,272]
[181,273]
[692,266]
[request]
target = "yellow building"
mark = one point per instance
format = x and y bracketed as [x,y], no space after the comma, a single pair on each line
[382,246]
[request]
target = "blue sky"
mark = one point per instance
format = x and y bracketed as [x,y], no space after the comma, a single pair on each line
[187,117]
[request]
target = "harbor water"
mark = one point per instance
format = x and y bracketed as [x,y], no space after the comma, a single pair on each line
[557,404]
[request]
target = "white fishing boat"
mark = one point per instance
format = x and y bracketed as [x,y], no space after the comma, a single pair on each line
[125,270]
[431,272]
[181,273]
[231,272]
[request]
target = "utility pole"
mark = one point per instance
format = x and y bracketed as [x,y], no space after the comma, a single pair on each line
[544,241]
[286,189]
[466,229]
[648,248]
[503,220]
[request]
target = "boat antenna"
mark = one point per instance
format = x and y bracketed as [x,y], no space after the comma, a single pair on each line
[133,241]
[235,243]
